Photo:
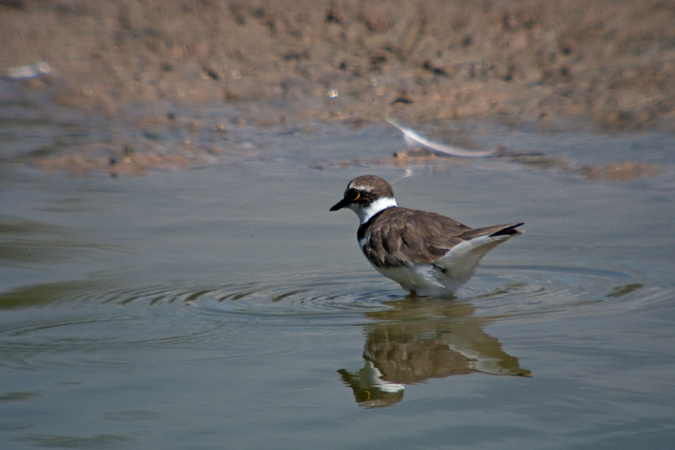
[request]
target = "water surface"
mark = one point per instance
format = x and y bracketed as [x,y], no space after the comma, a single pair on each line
[225,307]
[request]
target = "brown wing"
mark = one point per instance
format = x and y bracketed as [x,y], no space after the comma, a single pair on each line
[507,229]
[445,242]
[401,236]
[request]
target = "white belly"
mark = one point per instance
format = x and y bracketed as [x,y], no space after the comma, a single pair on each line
[448,273]
[423,279]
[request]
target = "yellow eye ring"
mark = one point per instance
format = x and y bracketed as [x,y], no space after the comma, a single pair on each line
[353,195]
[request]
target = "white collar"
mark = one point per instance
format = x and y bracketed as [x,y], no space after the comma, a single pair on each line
[365,213]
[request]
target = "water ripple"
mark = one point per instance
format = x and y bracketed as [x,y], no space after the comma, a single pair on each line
[72,323]
[546,289]
[516,289]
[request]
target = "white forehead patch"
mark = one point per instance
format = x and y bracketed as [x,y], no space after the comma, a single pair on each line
[360,187]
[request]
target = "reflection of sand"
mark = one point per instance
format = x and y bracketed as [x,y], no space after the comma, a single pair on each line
[416,341]
[610,61]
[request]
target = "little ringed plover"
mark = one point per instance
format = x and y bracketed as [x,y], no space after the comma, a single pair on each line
[426,253]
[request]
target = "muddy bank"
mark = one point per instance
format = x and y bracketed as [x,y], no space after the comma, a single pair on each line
[610,62]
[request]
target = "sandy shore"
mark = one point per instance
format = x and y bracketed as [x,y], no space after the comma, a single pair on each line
[610,62]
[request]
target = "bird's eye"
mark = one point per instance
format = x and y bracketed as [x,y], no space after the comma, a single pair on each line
[353,195]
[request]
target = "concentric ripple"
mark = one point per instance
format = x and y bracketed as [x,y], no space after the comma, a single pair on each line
[516,289]
[511,291]
[71,323]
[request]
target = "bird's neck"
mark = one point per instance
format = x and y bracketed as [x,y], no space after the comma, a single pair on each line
[365,213]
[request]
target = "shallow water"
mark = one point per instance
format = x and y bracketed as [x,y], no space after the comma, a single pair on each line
[225,307]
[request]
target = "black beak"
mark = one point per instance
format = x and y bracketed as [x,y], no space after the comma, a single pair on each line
[341,204]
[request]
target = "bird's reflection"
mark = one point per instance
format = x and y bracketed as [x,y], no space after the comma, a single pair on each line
[420,339]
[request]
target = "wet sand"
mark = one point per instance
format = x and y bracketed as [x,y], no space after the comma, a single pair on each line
[605,64]
[610,62]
